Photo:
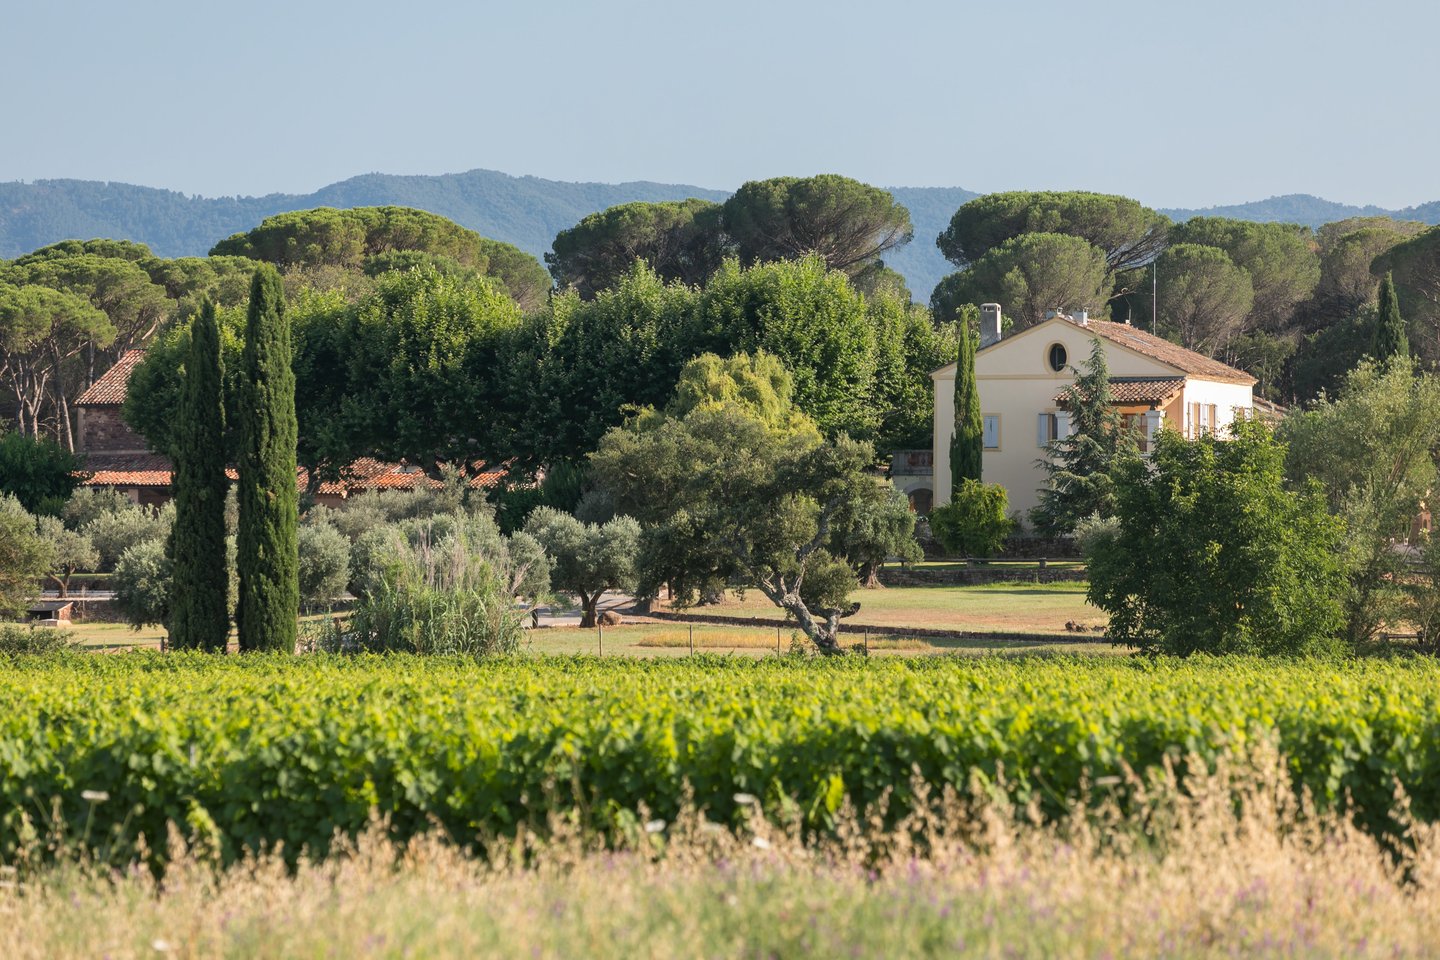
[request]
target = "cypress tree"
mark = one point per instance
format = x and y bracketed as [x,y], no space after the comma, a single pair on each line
[266,549]
[967,443]
[199,617]
[1390,339]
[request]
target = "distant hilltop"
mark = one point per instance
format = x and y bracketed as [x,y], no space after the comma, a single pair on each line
[525,211]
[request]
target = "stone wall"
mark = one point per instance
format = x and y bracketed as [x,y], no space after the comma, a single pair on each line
[102,430]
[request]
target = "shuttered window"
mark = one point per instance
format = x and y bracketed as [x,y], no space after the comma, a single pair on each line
[1046,429]
[992,431]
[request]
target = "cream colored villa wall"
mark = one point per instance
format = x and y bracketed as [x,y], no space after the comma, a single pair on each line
[1016,383]
[1227,398]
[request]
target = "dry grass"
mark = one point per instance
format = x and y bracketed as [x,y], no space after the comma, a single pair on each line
[989,608]
[1229,867]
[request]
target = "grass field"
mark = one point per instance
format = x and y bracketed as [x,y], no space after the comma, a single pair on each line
[669,639]
[988,608]
[1215,879]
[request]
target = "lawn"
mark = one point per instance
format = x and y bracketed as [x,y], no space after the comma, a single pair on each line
[988,608]
[670,640]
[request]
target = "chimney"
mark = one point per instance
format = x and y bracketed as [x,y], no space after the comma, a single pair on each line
[1081,317]
[989,324]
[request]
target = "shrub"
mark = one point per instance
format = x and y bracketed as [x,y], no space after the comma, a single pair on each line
[17,638]
[443,598]
[142,584]
[115,532]
[974,522]
[324,563]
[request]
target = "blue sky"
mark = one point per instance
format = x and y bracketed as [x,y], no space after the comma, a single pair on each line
[1175,103]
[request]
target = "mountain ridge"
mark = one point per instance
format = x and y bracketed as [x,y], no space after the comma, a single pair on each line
[524,210]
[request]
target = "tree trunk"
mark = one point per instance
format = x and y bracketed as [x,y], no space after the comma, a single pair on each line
[871,579]
[588,603]
[823,633]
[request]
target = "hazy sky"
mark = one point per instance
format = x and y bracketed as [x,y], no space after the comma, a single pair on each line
[1175,103]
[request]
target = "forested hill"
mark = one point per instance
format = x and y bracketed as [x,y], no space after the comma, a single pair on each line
[1304,209]
[525,211]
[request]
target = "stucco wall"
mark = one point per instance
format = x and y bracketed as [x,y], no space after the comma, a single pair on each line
[1016,383]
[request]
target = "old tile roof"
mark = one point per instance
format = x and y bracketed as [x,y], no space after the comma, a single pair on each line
[1170,354]
[110,388]
[154,470]
[1139,389]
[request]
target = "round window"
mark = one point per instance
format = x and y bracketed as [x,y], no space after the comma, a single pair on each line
[1057,357]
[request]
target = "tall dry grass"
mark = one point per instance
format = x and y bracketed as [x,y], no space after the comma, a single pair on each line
[1230,865]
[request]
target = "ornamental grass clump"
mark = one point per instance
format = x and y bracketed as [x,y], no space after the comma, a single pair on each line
[433,598]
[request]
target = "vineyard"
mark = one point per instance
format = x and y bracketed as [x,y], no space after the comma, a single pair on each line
[244,752]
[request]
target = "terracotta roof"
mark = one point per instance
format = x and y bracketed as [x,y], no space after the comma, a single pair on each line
[154,470]
[1170,354]
[139,470]
[110,388]
[1139,389]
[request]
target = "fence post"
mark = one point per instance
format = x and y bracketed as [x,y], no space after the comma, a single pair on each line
[692,639]
[867,641]
[777,641]
[600,627]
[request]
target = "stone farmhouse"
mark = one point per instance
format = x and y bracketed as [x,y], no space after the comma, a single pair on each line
[117,457]
[1022,378]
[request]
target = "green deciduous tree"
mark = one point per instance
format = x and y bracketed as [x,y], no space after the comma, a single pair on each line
[39,473]
[1371,449]
[967,442]
[681,241]
[1390,340]
[848,224]
[1204,298]
[1129,234]
[71,551]
[812,320]
[1033,274]
[1082,468]
[908,347]
[737,487]
[199,610]
[871,530]
[269,588]
[25,556]
[587,558]
[1214,553]
[418,361]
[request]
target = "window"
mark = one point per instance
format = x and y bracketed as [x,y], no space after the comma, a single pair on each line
[1046,429]
[1057,357]
[1135,424]
[992,431]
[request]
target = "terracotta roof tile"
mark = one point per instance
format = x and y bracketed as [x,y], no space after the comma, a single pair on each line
[110,388]
[154,470]
[1170,354]
[1139,389]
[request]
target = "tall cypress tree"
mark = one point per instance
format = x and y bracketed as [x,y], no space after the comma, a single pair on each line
[1390,339]
[199,618]
[267,552]
[1082,466]
[967,443]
